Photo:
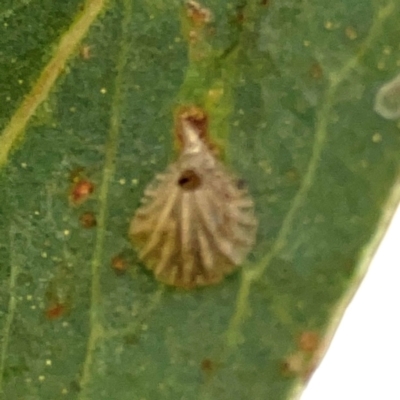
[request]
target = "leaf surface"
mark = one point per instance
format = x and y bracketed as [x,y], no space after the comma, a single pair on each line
[90,90]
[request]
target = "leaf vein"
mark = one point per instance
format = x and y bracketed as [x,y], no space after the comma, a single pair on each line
[41,89]
[96,333]
[253,274]
[12,304]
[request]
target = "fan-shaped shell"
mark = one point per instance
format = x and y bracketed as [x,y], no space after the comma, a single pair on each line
[196,223]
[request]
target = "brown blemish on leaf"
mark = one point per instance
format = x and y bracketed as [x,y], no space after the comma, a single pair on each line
[195,29]
[119,264]
[55,311]
[80,191]
[207,365]
[308,341]
[209,368]
[240,16]
[302,362]
[198,15]
[59,293]
[316,71]
[88,220]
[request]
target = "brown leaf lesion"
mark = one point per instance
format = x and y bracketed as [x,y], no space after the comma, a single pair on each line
[303,361]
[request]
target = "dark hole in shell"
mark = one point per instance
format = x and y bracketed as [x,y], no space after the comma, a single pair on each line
[189,180]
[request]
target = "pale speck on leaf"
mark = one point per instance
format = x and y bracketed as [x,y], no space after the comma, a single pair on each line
[387,50]
[381,65]
[377,137]
[85,52]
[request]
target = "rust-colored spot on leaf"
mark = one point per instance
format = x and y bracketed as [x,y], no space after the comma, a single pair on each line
[59,293]
[302,362]
[308,341]
[88,220]
[55,311]
[240,16]
[119,264]
[316,71]
[207,365]
[80,191]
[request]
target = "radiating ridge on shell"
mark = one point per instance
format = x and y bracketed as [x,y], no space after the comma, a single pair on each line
[196,223]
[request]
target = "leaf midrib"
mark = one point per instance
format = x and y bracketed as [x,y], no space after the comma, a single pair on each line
[40,91]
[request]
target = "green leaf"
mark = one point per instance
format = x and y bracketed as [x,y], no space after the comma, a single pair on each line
[89,91]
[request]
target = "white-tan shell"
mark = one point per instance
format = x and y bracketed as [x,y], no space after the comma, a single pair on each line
[196,223]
